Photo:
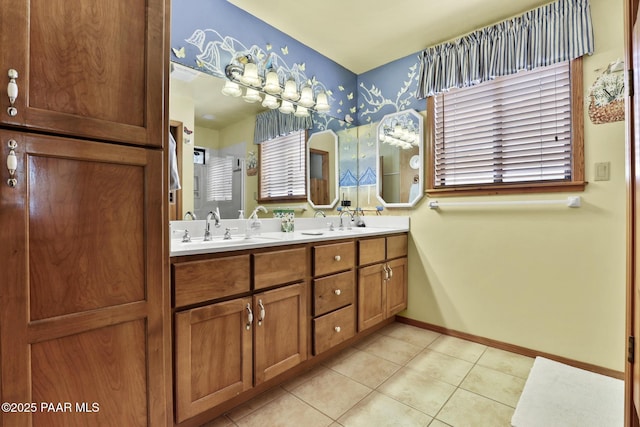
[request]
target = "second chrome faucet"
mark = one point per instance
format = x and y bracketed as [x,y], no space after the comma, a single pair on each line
[207,229]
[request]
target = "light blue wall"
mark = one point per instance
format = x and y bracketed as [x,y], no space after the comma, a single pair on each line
[207,34]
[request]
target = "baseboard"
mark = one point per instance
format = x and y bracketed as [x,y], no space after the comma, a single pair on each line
[512,348]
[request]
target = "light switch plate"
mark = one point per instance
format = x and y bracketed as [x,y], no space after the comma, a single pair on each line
[602,171]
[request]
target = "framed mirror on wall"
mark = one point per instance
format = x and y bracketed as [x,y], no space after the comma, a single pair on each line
[400,159]
[222,126]
[322,169]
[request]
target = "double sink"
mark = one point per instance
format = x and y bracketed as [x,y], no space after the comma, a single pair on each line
[266,237]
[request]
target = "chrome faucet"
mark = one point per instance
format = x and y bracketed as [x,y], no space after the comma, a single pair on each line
[319,213]
[348,212]
[207,230]
[191,215]
[253,223]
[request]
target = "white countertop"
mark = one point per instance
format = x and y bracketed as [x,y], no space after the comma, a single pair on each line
[306,230]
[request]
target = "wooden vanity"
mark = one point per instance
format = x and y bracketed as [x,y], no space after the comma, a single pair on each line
[246,320]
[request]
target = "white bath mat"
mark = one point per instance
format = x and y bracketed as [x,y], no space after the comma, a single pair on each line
[558,395]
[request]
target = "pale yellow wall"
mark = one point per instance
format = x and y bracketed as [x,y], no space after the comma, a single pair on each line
[550,279]
[208,138]
[236,133]
[181,109]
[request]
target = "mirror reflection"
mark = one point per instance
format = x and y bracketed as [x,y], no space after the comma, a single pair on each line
[322,164]
[214,134]
[217,158]
[399,153]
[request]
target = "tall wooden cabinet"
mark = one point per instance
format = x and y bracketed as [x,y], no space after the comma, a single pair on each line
[83,311]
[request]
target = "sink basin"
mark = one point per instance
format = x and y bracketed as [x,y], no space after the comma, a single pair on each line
[215,241]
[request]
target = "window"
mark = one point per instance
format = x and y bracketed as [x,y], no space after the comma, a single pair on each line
[283,168]
[517,132]
[220,179]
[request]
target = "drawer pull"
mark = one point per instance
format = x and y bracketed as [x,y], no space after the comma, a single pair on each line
[12,92]
[12,163]
[249,317]
[337,291]
[337,329]
[337,257]
[262,312]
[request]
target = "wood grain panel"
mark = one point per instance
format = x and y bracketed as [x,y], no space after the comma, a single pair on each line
[371,251]
[106,366]
[279,267]
[397,246]
[212,356]
[86,241]
[371,296]
[198,281]
[397,286]
[333,292]
[49,228]
[104,82]
[88,69]
[333,258]
[333,328]
[281,338]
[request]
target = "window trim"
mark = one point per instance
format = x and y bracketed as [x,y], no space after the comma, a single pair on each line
[303,197]
[577,153]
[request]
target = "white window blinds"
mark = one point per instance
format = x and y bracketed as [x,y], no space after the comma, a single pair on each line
[219,178]
[282,167]
[514,129]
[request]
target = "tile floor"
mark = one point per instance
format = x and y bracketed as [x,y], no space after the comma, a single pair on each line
[399,376]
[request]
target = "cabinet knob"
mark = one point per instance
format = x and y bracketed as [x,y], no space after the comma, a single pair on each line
[337,257]
[337,292]
[337,329]
[12,92]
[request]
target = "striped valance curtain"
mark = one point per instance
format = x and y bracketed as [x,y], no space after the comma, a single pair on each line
[273,123]
[553,33]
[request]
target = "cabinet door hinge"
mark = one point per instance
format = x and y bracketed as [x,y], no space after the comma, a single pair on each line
[631,349]
[630,82]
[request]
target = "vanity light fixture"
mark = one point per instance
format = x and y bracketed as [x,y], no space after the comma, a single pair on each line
[231,89]
[400,134]
[259,81]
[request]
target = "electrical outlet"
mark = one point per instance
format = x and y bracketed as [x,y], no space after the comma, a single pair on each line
[602,171]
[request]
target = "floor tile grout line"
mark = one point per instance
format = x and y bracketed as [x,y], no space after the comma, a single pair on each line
[377,388]
[343,375]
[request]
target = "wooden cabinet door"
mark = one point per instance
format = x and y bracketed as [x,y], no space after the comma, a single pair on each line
[281,333]
[397,286]
[212,355]
[85,68]
[372,296]
[82,313]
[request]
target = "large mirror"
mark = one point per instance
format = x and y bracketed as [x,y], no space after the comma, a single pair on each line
[214,129]
[400,159]
[322,167]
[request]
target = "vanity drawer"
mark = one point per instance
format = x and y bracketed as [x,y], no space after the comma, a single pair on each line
[333,291]
[333,328]
[198,281]
[333,258]
[397,246]
[371,251]
[279,267]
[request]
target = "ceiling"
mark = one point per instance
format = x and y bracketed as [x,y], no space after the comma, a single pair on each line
[362,35]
